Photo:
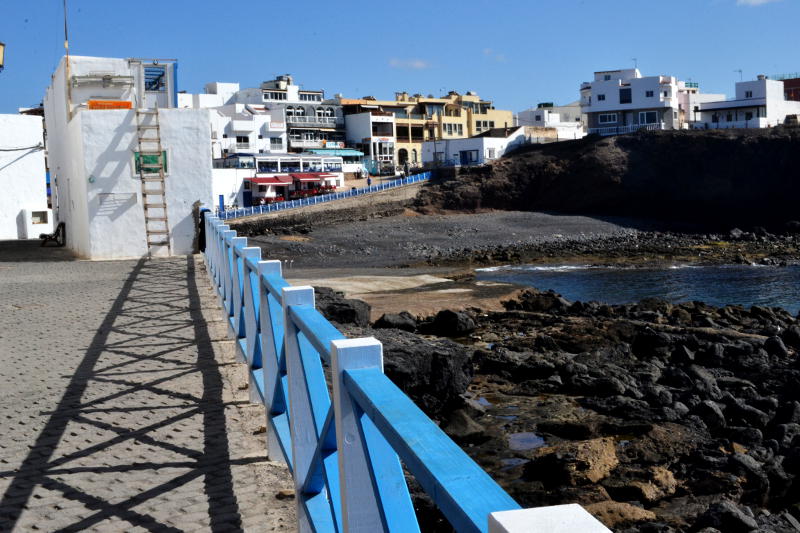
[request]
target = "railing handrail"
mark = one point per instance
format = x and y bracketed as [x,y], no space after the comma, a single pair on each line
[252,292]
[313,200]
[344,450]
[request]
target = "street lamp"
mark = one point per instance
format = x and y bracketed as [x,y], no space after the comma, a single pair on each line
[2,56]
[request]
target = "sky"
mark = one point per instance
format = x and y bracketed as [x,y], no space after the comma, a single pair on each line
[514,52]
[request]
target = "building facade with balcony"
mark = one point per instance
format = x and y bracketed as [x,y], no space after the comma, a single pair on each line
[312,121]
[760,103]
[623,101]
[247,128]
[417,119]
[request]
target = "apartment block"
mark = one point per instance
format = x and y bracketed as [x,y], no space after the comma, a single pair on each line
[622,101]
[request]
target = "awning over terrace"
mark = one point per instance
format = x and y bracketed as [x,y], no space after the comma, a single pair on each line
[313,176]
[272,180]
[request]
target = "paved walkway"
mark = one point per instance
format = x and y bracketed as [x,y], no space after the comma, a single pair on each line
[121,408]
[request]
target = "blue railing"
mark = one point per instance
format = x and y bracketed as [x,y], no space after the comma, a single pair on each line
[313,200]
[345,451]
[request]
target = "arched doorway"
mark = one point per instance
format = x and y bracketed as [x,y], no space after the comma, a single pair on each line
[402,156]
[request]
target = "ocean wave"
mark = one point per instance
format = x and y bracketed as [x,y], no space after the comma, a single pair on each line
[537,268]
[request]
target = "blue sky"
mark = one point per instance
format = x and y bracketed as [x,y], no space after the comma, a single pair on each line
[515,52]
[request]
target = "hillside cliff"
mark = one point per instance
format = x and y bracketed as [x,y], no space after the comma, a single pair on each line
[722,177]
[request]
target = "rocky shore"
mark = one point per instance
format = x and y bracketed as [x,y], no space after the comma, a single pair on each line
[656,417]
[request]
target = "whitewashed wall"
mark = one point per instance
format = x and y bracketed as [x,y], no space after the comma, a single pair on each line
[22,173]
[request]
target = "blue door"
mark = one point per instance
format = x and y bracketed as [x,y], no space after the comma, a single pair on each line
[247,198]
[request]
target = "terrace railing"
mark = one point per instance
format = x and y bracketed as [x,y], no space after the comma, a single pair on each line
[346,445]
[294,204]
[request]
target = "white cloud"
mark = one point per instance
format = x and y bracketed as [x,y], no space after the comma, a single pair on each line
[494,55]
[415,64]
[754,2]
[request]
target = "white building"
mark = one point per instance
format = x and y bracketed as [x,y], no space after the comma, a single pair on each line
[119,195]
[761,103]
[23,202]
[308,120]
[478,150]
[373,133]
[623,101]
[246,180]
[568,120]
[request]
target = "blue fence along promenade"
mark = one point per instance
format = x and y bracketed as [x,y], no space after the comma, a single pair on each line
[313,200]
[346,450]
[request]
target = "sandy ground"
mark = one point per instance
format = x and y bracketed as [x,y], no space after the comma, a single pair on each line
[419,293]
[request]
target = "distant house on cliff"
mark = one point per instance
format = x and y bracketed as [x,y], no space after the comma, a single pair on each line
[760,103]
[624,101]
[567,120]
[485,147]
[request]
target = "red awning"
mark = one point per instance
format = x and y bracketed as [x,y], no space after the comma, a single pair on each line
[272,180]
[312,176]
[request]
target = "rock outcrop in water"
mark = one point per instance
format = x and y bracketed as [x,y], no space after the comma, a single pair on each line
[655,416]
[727,177]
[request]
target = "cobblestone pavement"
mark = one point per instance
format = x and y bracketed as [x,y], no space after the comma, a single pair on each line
[121,407]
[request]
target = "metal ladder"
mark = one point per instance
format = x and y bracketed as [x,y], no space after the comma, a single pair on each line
[151,172]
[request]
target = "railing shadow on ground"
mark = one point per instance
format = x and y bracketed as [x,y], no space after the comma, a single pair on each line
[347,450]
[145,343]
[314,200]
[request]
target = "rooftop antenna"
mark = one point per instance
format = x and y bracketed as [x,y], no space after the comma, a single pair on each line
[635,62]
[740,73]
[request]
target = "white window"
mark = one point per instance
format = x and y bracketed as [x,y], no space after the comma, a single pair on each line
[461,129]
[275,143]
[649,94]
[666,94]
[274,95]
[748,94]
[607,118]
[601,97]
[648,117]
[490,153]
[242,139]
[606,77]
[538,118]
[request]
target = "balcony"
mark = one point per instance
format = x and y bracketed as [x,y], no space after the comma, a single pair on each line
[631,128]
[321,122]
[242,146]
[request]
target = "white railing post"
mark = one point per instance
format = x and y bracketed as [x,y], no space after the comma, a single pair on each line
[250,321]
[227,281]
[271,355]
[570,518]
[301,421]
[360,507]
[235,325]
[219,243]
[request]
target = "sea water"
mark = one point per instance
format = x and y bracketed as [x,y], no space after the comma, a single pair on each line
[715,285]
